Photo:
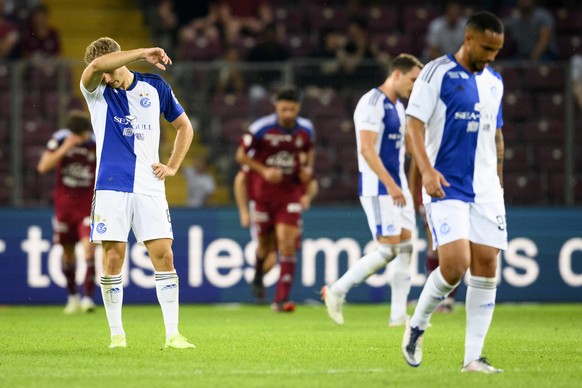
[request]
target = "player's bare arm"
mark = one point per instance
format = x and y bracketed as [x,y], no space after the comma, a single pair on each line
[93,73]
[306,166]
[500,146]
[184,135]
[432,180]
[241,198]
[367,141]
[49,160]
[311,191]
[272,175]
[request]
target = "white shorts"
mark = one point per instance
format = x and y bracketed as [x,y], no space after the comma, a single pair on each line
[386,219]
[480,223]
[114,212]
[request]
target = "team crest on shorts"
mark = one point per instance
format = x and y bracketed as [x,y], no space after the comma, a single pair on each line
[101,228]
[445,228]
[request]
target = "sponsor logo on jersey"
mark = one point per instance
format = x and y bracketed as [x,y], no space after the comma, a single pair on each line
[282,159]
[275,139]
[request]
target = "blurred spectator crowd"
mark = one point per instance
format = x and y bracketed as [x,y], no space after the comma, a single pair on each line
[230,55]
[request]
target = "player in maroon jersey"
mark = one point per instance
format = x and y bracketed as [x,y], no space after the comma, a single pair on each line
[71,153]
[246,207]
[279,149]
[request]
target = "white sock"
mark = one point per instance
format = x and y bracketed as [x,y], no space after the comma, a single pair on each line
[433,293]
[400,284]
[167,292]
[480,303]
[112,293]
[363,268]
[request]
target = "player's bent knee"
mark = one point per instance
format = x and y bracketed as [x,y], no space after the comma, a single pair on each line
[388,251]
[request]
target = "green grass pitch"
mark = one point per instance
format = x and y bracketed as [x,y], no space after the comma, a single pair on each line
[250,346]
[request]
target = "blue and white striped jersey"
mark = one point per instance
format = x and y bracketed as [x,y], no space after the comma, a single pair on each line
[375,112]
[461,112]
[127,131]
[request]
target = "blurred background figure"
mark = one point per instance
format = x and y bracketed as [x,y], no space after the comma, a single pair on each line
[446,32]
[9,35]
[230,77]
[40,40]
[71,153]
[239,18]
[201,183]
[532,29]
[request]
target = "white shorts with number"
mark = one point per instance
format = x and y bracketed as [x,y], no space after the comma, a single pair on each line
[387,219]
[480,223]
[114,213]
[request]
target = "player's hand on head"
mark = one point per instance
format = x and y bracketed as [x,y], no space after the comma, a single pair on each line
[158,57]
[162,171]
[72,140]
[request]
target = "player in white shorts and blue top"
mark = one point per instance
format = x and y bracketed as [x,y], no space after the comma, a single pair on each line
[129,194]
[383,188]
[453,131]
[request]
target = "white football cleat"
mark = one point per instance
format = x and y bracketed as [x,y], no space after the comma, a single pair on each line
[87,305]
[73,304]
[412,345]
[480,365]
[334,304]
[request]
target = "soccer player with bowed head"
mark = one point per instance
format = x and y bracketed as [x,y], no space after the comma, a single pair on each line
[278,149]
[125,111]
[71,154]
[453,131]
[383,190]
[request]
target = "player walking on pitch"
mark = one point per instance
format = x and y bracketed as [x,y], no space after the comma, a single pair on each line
[383,190]
[71,153]
[279,149]
[125,110]
[453,130]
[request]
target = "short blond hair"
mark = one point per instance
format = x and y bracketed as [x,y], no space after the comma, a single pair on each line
[100,47]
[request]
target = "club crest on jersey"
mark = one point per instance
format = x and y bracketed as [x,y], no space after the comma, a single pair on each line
[101,228]
[145,102]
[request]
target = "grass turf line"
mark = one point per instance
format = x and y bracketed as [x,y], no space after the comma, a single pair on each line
[250,346]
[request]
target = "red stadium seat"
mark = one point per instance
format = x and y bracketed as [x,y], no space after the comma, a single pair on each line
[516,159]
[231,129]
[393,43]
[292,18]
[517,106]
[568,20]
[550,157]
[320,16]
[522,189]
[569,45]
[415,19]
[300,45]
[544,130]
[381,19]
[511,77]
[200,49]
[550,105]
[325,104]
[545,77]
[230,105]
[335,131]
